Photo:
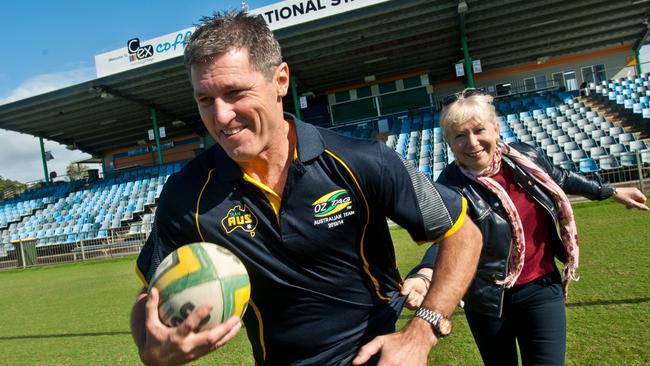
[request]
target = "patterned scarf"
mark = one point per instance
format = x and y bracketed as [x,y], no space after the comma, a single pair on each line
[568,232]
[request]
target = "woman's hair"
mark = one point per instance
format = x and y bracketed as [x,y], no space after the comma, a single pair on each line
[223,32]
[463,109]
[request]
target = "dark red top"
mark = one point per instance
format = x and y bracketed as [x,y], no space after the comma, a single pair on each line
[536,222]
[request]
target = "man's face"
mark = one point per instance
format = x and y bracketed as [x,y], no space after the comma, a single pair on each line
[239,106]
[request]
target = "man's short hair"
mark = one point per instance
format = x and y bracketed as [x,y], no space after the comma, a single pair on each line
[234,30]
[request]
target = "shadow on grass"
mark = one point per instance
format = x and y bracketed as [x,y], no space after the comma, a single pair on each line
[62,335]
[609,302]
[408,314]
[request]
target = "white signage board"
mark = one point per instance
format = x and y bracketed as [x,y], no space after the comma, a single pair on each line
[280,15]
[476,66]
[460,71]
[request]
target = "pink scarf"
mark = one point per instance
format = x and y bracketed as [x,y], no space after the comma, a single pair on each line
[568,232]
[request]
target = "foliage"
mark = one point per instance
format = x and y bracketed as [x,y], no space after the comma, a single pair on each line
[10,188]
[76,171]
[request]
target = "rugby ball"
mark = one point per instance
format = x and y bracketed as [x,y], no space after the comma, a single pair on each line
[197,274]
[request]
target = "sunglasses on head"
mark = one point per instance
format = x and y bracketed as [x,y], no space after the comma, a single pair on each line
[465,94]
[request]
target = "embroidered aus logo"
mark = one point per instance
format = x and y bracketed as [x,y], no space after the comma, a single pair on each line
[240,218]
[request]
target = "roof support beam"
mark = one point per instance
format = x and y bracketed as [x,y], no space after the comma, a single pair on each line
[44,159]
[469,77]
[156,134]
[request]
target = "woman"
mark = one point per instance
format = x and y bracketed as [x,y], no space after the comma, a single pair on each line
[517,198]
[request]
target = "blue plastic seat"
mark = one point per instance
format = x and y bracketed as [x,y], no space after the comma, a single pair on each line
[588,165]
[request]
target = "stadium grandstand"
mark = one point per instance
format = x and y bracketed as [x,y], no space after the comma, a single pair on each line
[566,77]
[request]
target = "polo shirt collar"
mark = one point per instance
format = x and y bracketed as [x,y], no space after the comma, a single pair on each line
[309,141]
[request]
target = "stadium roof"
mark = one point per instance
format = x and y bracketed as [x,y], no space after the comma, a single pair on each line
[382,40]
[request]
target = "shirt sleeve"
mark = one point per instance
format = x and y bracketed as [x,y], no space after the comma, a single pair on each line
[163,239]
[429,211]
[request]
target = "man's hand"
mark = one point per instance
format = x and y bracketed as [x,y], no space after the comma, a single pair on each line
[409,346]
[159,344]
[631,198]
[454,269]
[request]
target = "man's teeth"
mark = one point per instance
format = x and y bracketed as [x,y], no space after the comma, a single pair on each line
[475,153]
[231,131]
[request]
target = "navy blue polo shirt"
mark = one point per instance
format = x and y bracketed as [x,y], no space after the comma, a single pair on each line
[321,261]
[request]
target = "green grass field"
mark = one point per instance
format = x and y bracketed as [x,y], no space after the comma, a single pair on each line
[78,314]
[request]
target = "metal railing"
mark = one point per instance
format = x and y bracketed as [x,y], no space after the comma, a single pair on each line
[56,249]
[628,169]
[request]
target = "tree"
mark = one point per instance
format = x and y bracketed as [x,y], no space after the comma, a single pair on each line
[76,171]
[10,188]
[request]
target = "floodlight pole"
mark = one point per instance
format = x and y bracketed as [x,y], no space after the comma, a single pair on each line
[294,94]
[47,175]
[156,134]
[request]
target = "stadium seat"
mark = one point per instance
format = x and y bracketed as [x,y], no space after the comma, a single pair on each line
[637,145]
[578,155]
[552,149]
[598,151]
[609,163]
[588,165]
[578,137]
[588,143]
[562,140]
[628,160]
[616,130]
[559,158]
[617,149]
[598,133]
[606,141]
[570,146]
[626,138]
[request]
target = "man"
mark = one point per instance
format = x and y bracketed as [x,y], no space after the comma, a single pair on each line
[311,228]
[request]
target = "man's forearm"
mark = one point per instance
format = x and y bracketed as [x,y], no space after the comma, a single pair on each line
[454,268]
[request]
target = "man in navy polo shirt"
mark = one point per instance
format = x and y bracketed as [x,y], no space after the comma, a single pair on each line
[305,210]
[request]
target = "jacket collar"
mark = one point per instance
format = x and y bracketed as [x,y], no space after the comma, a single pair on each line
[309,146]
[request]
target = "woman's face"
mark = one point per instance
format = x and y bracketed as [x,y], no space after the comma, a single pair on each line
[473,142]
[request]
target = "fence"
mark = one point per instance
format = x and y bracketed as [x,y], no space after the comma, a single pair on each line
[631,169]
[55,249]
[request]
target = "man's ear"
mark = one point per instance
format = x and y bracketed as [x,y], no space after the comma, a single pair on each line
[281,78]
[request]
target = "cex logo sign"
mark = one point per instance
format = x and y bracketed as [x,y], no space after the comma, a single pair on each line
[138,52]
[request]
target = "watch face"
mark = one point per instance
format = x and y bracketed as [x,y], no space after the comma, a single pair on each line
[444,326]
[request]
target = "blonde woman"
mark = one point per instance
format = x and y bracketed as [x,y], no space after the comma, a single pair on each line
[518,199]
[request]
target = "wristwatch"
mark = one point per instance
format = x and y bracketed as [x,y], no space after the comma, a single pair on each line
[440,323]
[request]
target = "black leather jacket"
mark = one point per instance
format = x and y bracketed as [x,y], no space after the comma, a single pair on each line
[484,295]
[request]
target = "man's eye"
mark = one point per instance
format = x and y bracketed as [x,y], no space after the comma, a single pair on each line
[205,101]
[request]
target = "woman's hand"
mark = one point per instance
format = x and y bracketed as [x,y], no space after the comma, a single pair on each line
[416,287]
[631,198]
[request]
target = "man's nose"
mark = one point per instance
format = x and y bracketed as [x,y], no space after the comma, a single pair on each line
[223,111]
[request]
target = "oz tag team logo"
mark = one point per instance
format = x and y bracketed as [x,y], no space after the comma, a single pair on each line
[240,218]
[332,208]
[137,52]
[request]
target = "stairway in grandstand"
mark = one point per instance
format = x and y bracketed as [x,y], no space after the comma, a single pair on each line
[576,133]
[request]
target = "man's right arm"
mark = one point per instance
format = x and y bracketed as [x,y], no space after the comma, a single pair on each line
[159,344]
